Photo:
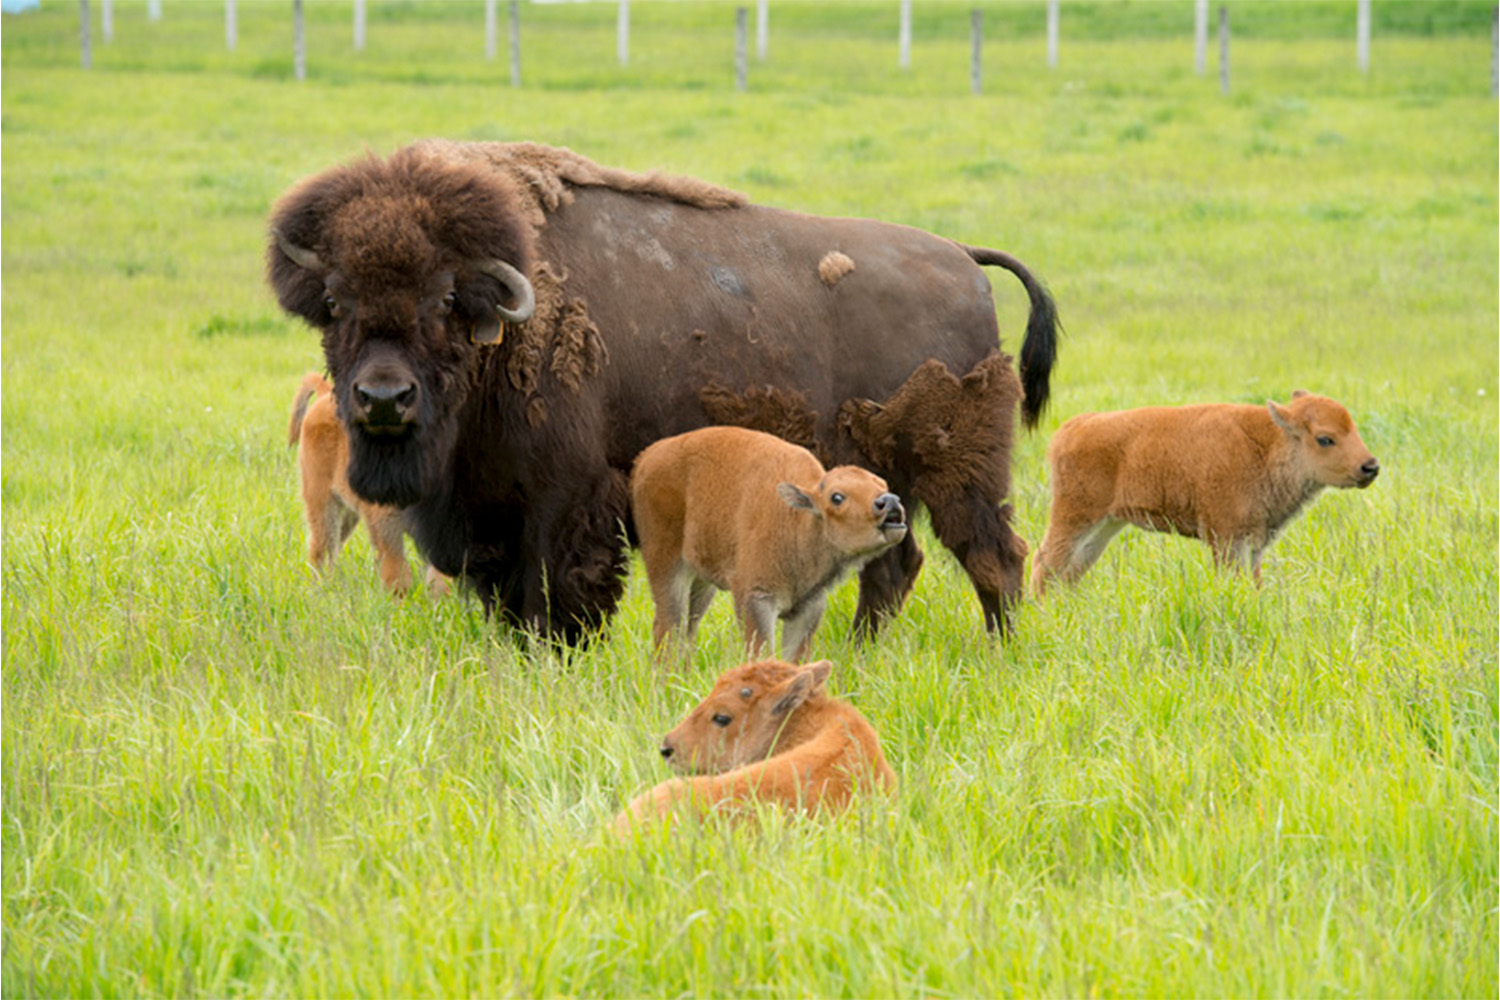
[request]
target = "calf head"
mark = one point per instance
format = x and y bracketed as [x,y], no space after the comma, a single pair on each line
[1326,441]
[860,516]
[407,266]
[740,720]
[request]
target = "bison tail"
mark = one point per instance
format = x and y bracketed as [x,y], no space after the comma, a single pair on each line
[312,385]
[1039,349]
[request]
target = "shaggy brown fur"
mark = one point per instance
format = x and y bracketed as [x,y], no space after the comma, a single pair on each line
[768,732]
[1229,475]
[331,507]
[833,267]
[742,511]
[763,408]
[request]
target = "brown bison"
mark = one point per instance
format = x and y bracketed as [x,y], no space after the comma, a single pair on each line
[767,732]
[744,511]
[1231,475]
[331,507]
[509,325]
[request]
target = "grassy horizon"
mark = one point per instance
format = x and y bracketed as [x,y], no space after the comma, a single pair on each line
[224,777]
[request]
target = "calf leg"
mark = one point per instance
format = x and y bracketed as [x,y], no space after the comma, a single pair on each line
[757,615]
[1070,547]
[797,628]
[384,525]
[884,585]
[671,591]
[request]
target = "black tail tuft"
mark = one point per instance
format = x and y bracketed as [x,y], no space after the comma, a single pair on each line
[1039,349]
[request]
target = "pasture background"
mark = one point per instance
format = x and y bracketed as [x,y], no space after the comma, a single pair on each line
[223,777]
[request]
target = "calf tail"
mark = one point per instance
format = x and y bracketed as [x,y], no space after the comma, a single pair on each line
[312,385]
[1039,349]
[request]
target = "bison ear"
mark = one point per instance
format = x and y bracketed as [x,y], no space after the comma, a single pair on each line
[795,498]
[1282,417]
[487,330]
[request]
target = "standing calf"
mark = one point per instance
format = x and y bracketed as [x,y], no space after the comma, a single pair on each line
[768,732]
[332,507]
[746,512]
[1230,475]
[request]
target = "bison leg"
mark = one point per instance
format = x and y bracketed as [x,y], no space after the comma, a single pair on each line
[576,559]
[978,532]
[884,585]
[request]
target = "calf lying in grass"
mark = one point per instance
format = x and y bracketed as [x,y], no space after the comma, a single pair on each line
[768,732]
[746,512]
[1231,475]
[331,506]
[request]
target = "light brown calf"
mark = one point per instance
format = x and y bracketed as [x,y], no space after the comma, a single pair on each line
[331,506]
[746,512]
[768,732]
[1231,475]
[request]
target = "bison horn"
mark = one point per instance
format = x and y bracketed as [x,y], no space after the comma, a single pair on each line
[301,256]
[519,287]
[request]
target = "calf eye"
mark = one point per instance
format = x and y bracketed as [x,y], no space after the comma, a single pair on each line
[1324,441]
[836,499]
[721,720]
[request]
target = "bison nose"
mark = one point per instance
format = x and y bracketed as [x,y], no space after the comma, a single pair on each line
[385,406]
[1368,472]
[666,751]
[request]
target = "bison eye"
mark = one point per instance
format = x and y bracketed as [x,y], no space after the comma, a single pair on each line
[449,298]
[332,305]
[1324,441]
[837,499]
[721,720]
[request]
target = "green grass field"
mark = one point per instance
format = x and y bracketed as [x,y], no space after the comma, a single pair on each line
[224,777]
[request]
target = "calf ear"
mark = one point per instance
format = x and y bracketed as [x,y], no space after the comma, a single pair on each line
[1282,417]
[793,693]
[819,672]
[1299,393]
[795,498]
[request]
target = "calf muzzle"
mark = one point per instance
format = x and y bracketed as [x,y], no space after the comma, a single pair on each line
[1368,472]
[889,511]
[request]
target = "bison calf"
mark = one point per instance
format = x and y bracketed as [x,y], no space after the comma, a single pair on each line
[1230,475]
[768,732]
[746,512]
[332,507]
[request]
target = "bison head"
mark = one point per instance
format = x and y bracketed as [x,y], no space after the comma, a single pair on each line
[408,266]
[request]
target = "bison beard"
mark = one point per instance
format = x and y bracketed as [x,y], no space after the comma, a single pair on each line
[513,465]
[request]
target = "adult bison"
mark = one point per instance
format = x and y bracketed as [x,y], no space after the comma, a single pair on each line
[508,325]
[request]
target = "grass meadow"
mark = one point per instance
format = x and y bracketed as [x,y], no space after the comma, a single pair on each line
[223,776]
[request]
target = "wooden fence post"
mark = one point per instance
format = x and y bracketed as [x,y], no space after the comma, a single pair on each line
[1200,36]
[903,57]
[976,38]
[231,25]
[85,44]
[107,20]
[491,29]
[741,69]
[515,43]
[359,25]
[762,28]
[1362,36]
[1224,48]
[1052,33]
[299,42]
[622,32]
